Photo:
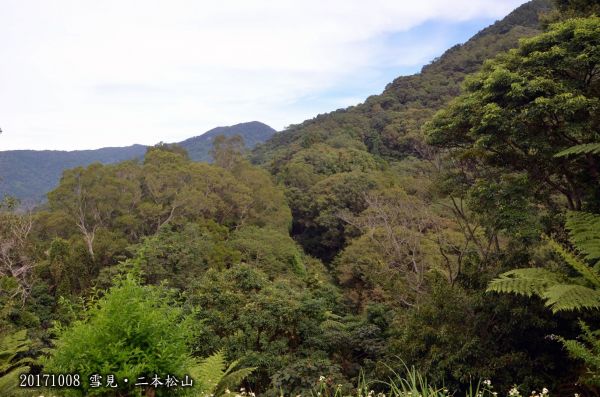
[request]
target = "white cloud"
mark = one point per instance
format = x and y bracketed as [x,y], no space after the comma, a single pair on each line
[85,74]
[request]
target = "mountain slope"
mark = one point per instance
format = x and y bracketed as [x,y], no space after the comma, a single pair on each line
[344,152]
[29,174]
[389,123]
[253,133]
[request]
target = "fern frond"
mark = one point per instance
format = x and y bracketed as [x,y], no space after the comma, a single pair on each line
[586,148]
[564,297]
[586,349]
[584,233]
[232,379]
[210,371]
[589,273]
[10,381]
[528,282]
[214,378]
[10,369]
[11,345]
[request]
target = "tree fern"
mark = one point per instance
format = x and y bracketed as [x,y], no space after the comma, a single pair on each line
[562,293]
[586,148]
[589,273]
[215,378]
[528,282]
[232,378]
[584,230]
[11,367]
[563,297]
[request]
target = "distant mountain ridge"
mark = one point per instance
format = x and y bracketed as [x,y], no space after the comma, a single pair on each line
[253,133]
[30,174]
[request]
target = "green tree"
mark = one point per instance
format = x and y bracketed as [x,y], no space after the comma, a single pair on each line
[526,106]
[174,257]
[267,323]
[227,152]
[396,250]
[271,251]
[94,198]
[169,147]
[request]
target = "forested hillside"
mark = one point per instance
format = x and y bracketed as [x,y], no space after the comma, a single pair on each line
[30,174]
[442,238]
[358,140]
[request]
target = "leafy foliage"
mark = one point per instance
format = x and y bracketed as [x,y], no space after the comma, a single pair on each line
[132,331]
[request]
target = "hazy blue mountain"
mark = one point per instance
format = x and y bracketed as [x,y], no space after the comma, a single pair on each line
[30,174]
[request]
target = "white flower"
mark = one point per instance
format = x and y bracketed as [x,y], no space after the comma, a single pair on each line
[487,382]
[321,378]
[544,391]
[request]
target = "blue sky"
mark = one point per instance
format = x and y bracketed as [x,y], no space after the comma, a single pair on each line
[82,74]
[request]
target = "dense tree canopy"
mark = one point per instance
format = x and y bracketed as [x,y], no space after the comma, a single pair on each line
[526,106]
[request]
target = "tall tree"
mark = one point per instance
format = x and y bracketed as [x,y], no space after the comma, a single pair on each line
[529,104]
[93,197]
[227,152]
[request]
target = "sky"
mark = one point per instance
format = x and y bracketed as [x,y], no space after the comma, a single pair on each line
[83,74]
